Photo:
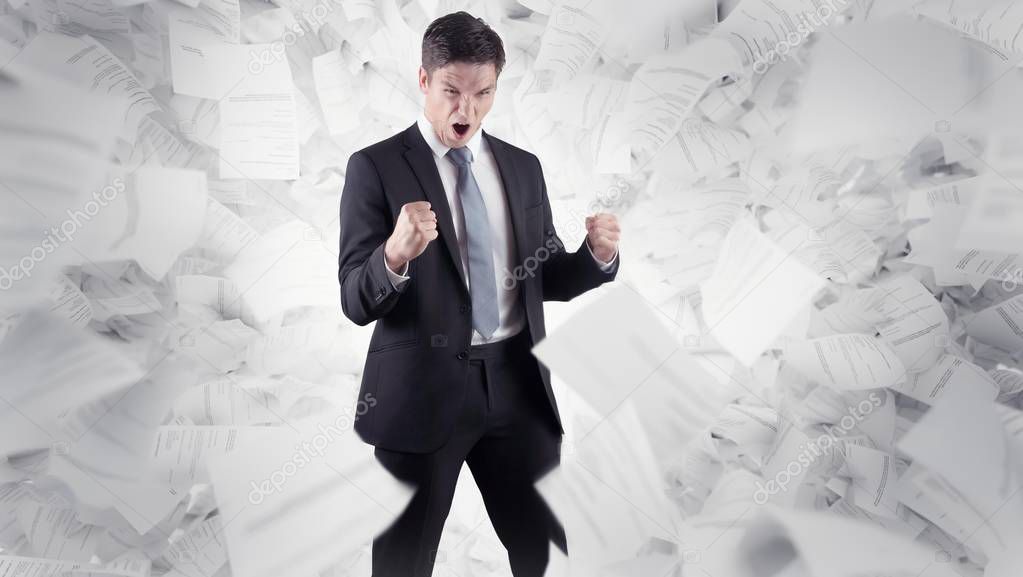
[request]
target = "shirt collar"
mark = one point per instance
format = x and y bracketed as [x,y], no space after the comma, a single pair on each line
[439,148]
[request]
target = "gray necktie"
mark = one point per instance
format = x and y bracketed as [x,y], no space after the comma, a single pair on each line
[482,281]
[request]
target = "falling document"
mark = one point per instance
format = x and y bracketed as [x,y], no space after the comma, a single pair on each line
[756,290]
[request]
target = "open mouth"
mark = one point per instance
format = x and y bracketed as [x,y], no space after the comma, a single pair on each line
[461,129]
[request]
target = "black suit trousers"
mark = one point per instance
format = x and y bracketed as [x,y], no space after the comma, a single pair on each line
[506,432]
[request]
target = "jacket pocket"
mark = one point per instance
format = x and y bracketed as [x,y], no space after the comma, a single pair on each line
[390,346]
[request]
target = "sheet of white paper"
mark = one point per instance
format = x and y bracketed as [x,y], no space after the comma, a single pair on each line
[56,532]
[155,215]
[915,325]
[158,146]
[142,505]
[69,302]
[603,370]
[998,24]
[993,219]
[1000,325]
[300,501]
[36,566]
[335,92]
[665,89]
[756,290]
[259,137]
[834,546]
[700,148]
[52,368]
[760,27]
[575,31]
[874,475]
[286,267]
[950,372]
[201,551]
[963,439]
[920,204]
[225,233]
[223,402]
[848,362]
[205,58]
[88,64]
[180,452]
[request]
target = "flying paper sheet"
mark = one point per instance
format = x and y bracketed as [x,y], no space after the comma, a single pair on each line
[150,215]
[828,545]
[850,361]
[963,439]
[1000,325]
[666,88]
[755,291]
[612,368]
[299,501]
[88,64]
[51,369]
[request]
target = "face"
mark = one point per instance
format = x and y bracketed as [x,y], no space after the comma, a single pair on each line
[457,98]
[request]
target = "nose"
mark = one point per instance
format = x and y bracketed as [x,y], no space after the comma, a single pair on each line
[465,107]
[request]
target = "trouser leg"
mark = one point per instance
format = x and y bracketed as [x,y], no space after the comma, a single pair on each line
[521,444]
[408,548]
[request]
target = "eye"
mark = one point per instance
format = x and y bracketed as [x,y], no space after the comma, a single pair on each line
[449,91]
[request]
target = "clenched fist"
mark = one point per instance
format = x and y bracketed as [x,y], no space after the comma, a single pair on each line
[603,232]
[416,226]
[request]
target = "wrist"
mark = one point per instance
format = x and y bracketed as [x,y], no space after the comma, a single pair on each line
[597,254]
[395,263]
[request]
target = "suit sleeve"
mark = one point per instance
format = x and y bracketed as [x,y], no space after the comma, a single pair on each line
[567,275]
[366,289]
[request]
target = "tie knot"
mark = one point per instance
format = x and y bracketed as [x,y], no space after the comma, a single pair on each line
[461,156]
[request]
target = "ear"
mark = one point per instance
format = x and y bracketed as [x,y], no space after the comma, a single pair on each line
[424,85]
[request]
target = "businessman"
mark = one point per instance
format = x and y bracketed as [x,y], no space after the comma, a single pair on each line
[447,241]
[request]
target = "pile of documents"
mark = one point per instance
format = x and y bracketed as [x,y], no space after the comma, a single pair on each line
[816,345]
[811,363]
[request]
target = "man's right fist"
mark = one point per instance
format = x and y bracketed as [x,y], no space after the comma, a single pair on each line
[416,226]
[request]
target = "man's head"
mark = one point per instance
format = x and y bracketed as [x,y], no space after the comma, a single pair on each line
[462,58]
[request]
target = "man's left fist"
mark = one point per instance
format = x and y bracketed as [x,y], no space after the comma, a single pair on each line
[602,233]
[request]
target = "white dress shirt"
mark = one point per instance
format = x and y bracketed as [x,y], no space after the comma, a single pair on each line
[484,169]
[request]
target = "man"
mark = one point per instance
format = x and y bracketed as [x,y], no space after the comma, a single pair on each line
[449,370]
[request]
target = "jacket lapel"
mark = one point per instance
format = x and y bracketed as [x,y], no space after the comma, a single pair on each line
[420,158]
[509,176]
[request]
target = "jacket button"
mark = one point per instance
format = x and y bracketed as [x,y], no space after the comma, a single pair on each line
[550,232]
[463,308]
[463,355]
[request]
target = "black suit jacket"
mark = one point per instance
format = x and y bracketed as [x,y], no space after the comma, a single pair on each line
[417,366]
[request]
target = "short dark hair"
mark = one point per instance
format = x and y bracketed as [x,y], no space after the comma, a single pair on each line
[461,37]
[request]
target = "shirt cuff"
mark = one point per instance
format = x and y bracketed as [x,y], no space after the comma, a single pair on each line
[604,266]
[397,279]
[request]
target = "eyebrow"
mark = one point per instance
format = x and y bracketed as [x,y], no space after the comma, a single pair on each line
[449,85]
